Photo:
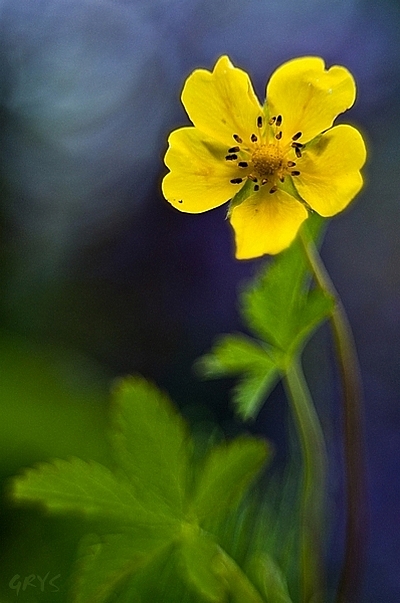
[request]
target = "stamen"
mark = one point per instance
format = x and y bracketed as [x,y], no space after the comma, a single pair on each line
[278,136]
[234,150]
[291,163]
[237,138]
[264,181]
[252,178]
[256,187]
[259,121]
[282,178]
[231,157]
[236,180]
[278,121]
[272,120]
[273,189]
[295,173]
[297,136]
[297,152]
[243,164]
[253,138]
[297,144]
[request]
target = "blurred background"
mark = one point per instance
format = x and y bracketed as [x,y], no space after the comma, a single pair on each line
[100,277]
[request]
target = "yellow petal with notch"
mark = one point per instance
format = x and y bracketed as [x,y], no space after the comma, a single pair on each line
[308,96]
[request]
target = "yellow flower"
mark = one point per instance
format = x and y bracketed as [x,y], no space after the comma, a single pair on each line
[285,157]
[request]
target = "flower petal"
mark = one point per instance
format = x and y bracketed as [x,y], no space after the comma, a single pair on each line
[200,176]
[309,97]
[266,223]
[222,103]
[329,170]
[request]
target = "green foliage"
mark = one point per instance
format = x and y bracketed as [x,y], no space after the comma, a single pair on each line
[281,310]
[154,513]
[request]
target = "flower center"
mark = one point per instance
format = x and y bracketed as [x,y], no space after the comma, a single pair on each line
[265,159]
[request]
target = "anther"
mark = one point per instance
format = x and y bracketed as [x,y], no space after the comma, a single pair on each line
[297,136]
[256,187]
[273,189]
[253,138]
[231,157]
[297,144]
[272,120]
[236,180]
[234,150]
[252,178]
[243,164]
[259,121]
[278,120]
[278,136]
[264,181]
[297,152]
[295,173]
[237,138]
[291,163]
[282,178]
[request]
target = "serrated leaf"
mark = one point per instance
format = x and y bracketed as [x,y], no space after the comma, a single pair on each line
[252,390]
[102,565]
[104,562]
[232,355]
[151,444]
[228,470]
[78,486]
[271,303]
[278,306]
[154,455]
[257,366]
[317,307]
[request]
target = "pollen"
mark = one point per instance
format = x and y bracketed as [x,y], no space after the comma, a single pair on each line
[266,160]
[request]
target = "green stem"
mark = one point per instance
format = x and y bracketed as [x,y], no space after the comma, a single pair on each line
[350,579]
[314,463]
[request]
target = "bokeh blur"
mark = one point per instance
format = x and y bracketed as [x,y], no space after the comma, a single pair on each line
[100,277]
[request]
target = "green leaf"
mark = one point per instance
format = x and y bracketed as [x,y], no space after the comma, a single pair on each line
[152,444]
[271,304]
[240,586]
[279,306]
[256,364]
[233,354]
[200,557]
[104,562]
[268,578]
[158,580]
[316,308]
[282,311]
[228,470]
[146,500]
[80,487]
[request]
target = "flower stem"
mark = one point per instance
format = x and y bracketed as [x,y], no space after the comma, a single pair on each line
[314,462]
[355,488]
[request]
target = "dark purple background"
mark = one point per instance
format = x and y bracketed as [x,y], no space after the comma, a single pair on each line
[95,260]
